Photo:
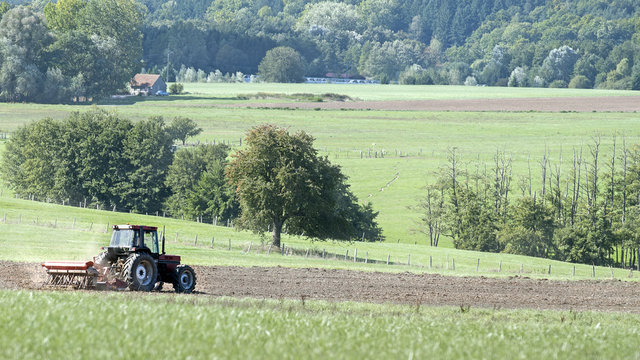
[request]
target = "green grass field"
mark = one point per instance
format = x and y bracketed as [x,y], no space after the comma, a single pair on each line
[394,92]
[48,324]
[53,325]
[415,143]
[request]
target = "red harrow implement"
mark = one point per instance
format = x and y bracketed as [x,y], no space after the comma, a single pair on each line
[76,274]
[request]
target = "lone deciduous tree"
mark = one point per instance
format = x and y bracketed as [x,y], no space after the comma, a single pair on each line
[181,128]
[280,179]
[283,65]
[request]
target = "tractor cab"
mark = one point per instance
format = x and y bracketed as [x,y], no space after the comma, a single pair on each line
[134,238]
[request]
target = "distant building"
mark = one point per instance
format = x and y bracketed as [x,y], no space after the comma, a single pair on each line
[147,84]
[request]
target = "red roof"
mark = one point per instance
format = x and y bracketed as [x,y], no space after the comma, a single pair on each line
[144,80]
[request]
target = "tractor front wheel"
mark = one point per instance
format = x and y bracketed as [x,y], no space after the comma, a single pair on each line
[184,279]
[140,272]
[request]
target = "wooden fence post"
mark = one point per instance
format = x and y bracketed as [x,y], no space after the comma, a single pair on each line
[430,262]
[212,240]
[355,255]
[500,266]
[195,242]
[346,255]
[593,270]
[323,253]
[269,249]
[478,265]
[388,257]
[573,272]
[250,245]
[521,268]
[229,244]
[453,264]
[549,269]
[366,257]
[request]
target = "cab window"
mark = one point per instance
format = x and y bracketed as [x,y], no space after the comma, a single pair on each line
[151,241]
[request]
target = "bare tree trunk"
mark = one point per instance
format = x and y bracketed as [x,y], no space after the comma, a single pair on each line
[454,188]
[543,164]
[612,189]
[529,165]
[625,153]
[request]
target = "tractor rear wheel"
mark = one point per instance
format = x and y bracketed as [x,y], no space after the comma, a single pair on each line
[140,272]
[184,279]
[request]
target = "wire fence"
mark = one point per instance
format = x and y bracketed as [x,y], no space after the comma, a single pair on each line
[435,263]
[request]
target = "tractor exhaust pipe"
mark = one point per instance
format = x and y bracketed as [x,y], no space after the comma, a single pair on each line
[163,240]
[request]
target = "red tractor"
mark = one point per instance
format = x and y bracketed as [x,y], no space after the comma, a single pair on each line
[132,260]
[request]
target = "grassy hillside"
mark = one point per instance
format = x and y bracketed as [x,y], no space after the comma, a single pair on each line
[415,143]
[35,232]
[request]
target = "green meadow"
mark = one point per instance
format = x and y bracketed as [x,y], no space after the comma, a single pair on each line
[388,155]
[53,325]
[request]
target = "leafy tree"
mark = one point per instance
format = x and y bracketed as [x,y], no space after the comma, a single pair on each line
[26,162]
[559,64]
[64,15]
[147,151]
[114,27]
[198,184]
[329,18]
[93,156]
[389,58]
[24,37]
[280,180]
[282,64]
[529,230]
[4,7]
[181,128]
[518,77]
[477,223]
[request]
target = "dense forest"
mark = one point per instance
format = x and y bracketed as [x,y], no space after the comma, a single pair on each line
[546,43]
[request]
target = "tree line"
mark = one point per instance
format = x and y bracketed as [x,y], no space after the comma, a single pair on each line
[68,50]
[277,184]
[586,208]
[91,48]
[543,43]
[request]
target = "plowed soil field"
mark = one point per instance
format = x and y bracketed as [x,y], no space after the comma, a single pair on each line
[402,288]
[577,104]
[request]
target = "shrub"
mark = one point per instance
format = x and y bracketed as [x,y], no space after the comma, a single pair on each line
[176,88]
[580,82]
[558,84]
